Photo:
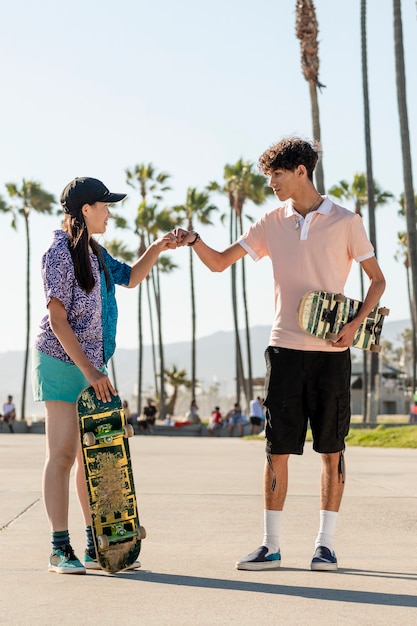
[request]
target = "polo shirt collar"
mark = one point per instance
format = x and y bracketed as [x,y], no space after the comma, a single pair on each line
[324,208]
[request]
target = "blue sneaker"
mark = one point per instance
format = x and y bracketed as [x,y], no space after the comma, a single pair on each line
[64,561]
[324,560]
[90,560]
[260,559]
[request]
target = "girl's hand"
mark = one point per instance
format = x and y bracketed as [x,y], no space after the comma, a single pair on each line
[102,385]
[168,241]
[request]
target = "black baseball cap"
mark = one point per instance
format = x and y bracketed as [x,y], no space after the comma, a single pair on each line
[86,190]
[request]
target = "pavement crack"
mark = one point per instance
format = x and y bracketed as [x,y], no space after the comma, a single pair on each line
[16,517]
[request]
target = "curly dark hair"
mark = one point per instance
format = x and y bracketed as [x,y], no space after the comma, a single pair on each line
[288,154]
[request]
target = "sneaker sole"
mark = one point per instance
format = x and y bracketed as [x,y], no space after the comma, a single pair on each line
[323,567]
[65,570]
[253,567]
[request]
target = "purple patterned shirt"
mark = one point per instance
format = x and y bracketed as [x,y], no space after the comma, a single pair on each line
[84,310]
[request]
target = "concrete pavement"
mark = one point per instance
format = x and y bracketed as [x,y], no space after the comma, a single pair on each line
[200,501]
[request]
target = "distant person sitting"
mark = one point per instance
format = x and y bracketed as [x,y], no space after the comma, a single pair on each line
[9,413]
[256,415]
[215,422]
[193,415]
[235,418]
[146,423]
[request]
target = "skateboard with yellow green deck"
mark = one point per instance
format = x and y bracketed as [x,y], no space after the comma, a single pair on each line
[115,523]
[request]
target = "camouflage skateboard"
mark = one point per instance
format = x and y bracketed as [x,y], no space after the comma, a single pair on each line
[108,471]
[323,314]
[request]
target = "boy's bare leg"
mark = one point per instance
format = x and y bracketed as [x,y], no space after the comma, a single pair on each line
[274,499]
[331,484]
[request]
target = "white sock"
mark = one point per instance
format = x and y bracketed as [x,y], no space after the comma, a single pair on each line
[272,524]
[328,521]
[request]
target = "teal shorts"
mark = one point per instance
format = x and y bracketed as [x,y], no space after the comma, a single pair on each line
[53,379]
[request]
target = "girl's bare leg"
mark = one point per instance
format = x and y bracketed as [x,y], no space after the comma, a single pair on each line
[62,441]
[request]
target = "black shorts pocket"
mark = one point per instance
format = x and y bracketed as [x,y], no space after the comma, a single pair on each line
[343,415]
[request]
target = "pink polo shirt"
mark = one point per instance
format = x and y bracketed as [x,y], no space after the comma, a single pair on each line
[306,254]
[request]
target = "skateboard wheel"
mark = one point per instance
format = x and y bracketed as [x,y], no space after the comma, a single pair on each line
[103,541]
[141,532]
[375,347]
[331,336]
[128,430]
[383,311]
[89,439]
[339,297]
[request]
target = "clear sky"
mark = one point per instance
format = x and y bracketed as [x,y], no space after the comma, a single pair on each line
[92,87]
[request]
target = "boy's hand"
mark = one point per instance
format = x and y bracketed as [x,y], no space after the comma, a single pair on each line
[183,236]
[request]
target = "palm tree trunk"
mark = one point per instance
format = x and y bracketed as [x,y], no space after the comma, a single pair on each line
[26,358]
[414,330]
[249,386]
[240,376]
[170,407]
[371,200]
[162,399]
[140,353]
[151,311]
[193,330]
[319,173]
[306,28]
[238,351]
[409,201]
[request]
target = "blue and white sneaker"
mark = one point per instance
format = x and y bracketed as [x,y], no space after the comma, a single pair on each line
[64,561]
[260,559]
[324,560]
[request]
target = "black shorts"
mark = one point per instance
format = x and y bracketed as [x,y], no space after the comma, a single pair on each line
[304,386]
[255,421]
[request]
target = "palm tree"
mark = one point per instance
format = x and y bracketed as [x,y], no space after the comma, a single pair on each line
[145,221]
[357,192]
[307,32]
[164,221]
[27,197]
[409,199]
[196,208]
[241,183]
[176,378]
[150,183]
